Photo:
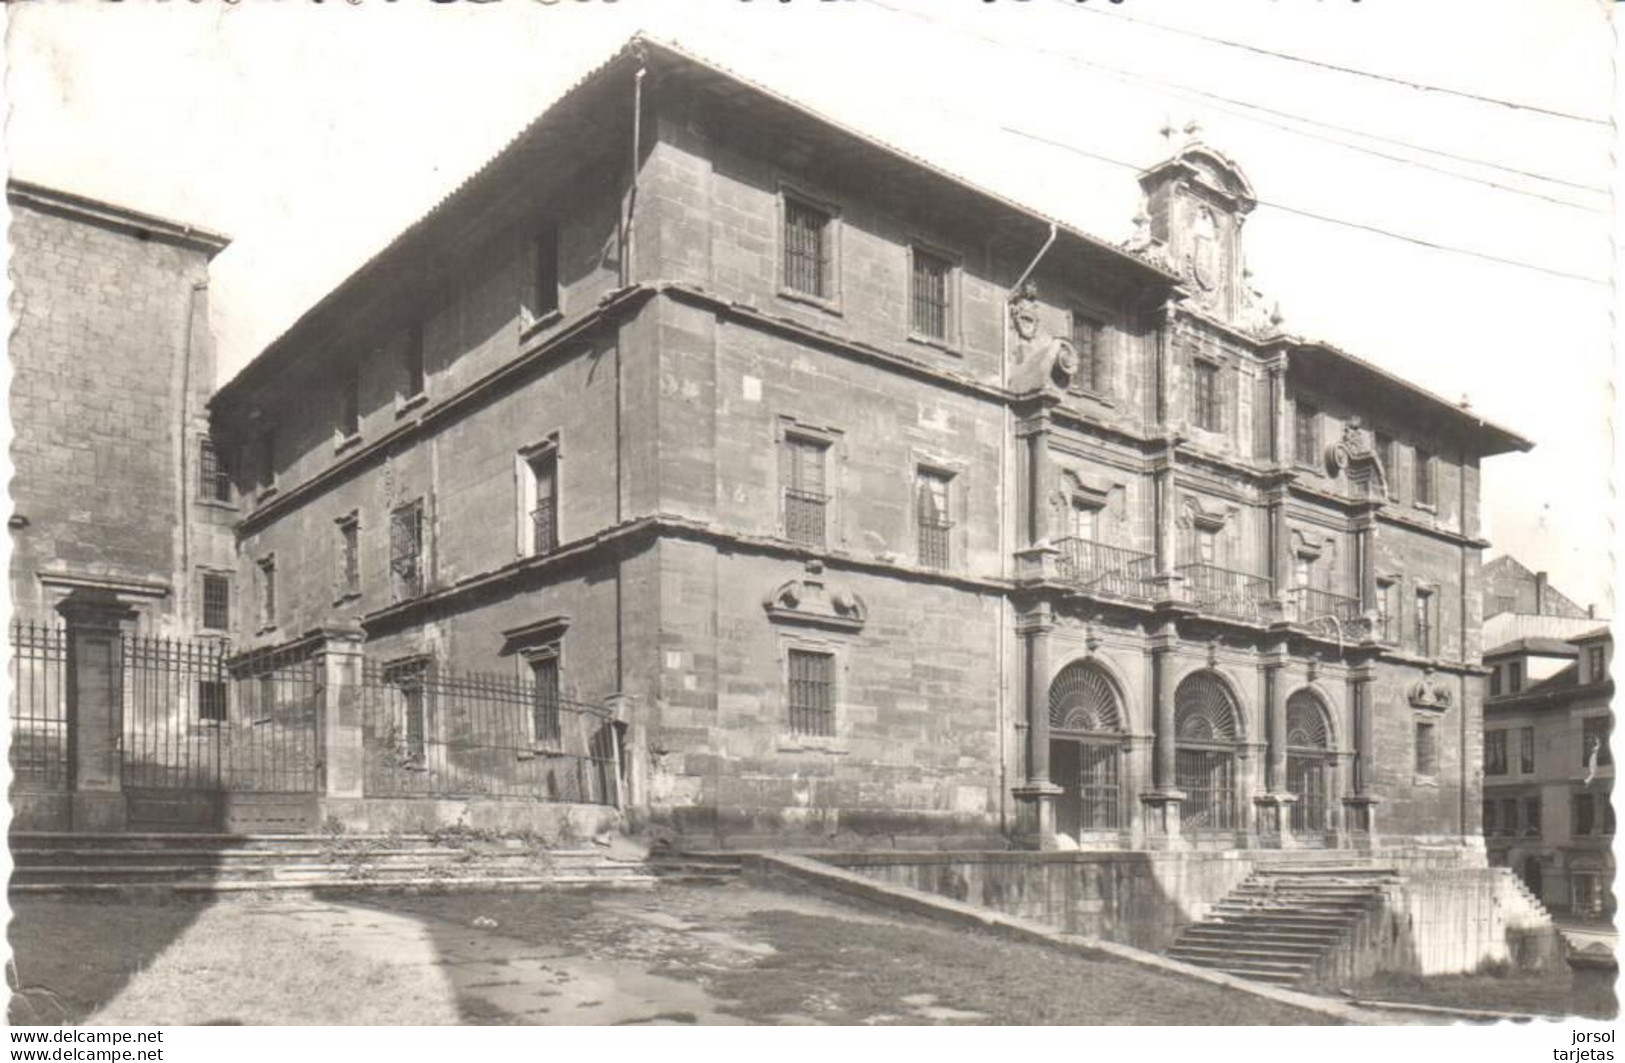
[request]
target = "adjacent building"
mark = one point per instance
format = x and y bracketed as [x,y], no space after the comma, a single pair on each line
[116,486]
[886,510]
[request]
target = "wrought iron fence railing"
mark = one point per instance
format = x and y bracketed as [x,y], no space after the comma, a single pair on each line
[39,706]
[433,733]
[1114,570]
[1224,591]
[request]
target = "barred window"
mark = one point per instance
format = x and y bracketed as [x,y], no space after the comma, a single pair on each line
[812,695]
[546,720]
[1495,752]
[806,249]
[216,602]
[411,678]
[211,700]
[805,497]
[930,295]
[1307,436]
[1086,334]
[1427,750]
[214,483]
[406,549]
[1424,478]
[933,516]
[1205,395]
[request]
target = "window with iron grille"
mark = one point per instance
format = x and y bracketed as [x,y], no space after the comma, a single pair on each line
[546,717]
[412,361]
[1526,750]
[1424,478]
[1098,787]
[349,571]
[544,295]
[812,692]
[1207,776]
[1306,446]
[214,483]
[1495,752]
[807,249]
[805,494]
[349,420]
[1594,735]
[1424,622]
[933,516]
[406,550]
[544,511]
[930,295]
[1427,750]
[1086,334]
[267,567]
[1205,395]
[216,601]
[411,679]
[211,700]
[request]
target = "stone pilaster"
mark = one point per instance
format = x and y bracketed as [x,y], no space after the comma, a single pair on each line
[95,622]
[339,662]
[1038,789]
[1161,803]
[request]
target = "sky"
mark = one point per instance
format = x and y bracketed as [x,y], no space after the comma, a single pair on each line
[312,134]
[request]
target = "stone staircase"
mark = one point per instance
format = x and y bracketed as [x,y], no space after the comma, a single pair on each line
[1277,925]
[696,869]
[218,863]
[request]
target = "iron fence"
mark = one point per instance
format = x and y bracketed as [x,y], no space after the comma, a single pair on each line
[39,706]
[433,733]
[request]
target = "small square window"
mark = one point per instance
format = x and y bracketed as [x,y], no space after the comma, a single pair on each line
[811,693]
[931,295]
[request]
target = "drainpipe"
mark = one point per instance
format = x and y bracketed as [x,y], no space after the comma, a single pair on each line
[637,150]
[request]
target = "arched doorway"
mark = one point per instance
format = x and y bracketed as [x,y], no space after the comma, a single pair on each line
[1308,764]
[1206,733]
[1086,745]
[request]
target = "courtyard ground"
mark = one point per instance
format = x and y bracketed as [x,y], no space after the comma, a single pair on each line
[673,954]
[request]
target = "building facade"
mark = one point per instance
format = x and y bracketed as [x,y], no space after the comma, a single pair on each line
[886,510]
[116,484]
[1549,770]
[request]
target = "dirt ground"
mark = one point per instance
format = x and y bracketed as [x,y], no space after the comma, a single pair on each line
[673,954]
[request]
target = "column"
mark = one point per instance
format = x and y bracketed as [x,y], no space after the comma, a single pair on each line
[1275,803]
[1359,805]
[339,662]
[1038,790]
[95,622]
[1037,557]
[1162,801]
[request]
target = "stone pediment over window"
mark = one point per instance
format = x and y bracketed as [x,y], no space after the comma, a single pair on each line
[1429,692]
[1355,455]
[811,601]
[546,632]
[1307,546]
[1192,514]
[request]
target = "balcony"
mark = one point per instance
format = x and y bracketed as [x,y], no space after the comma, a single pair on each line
[1103,569]
[1225,592]
[1311,604]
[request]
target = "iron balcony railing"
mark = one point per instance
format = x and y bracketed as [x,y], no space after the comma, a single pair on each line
[1114,570]
[544,527]
[1225,591]
[1312,603]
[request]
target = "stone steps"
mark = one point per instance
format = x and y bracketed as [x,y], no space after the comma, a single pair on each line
[1282,920]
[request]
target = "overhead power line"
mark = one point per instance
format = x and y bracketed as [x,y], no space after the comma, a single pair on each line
[1324,65]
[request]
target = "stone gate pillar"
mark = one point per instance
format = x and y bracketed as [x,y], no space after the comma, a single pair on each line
[95,622]
[339,662]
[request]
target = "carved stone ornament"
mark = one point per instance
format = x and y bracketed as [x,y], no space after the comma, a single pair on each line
[810,601]
[1355,453]
[1429,693]
[1040,361]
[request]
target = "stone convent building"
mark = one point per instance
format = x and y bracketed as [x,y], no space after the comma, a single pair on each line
[891,512]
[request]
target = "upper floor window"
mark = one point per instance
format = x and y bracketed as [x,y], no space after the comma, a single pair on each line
[1084,519]
[214,482]
[1389,457]
[933,516]
[1495,682]
[542,501]
[808,250]
[1086,341]
[412,362]
[930,295]
[216,601]
[805,490]
[1495,752]
[406,550]
[349,419]
[1205,395]
[1594,735]
[1585,813]
[1427,750]
[1596,664]
[811,692]
[1306,434]
[265,458]
[348,576]
[542,300]
[1388,609]
[1526,750]
[1424,476]
[1425,634]
[1514,676]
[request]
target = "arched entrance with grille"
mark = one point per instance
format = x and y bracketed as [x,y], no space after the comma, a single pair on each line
[1207,732]
[1309,763]
[1086,722]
